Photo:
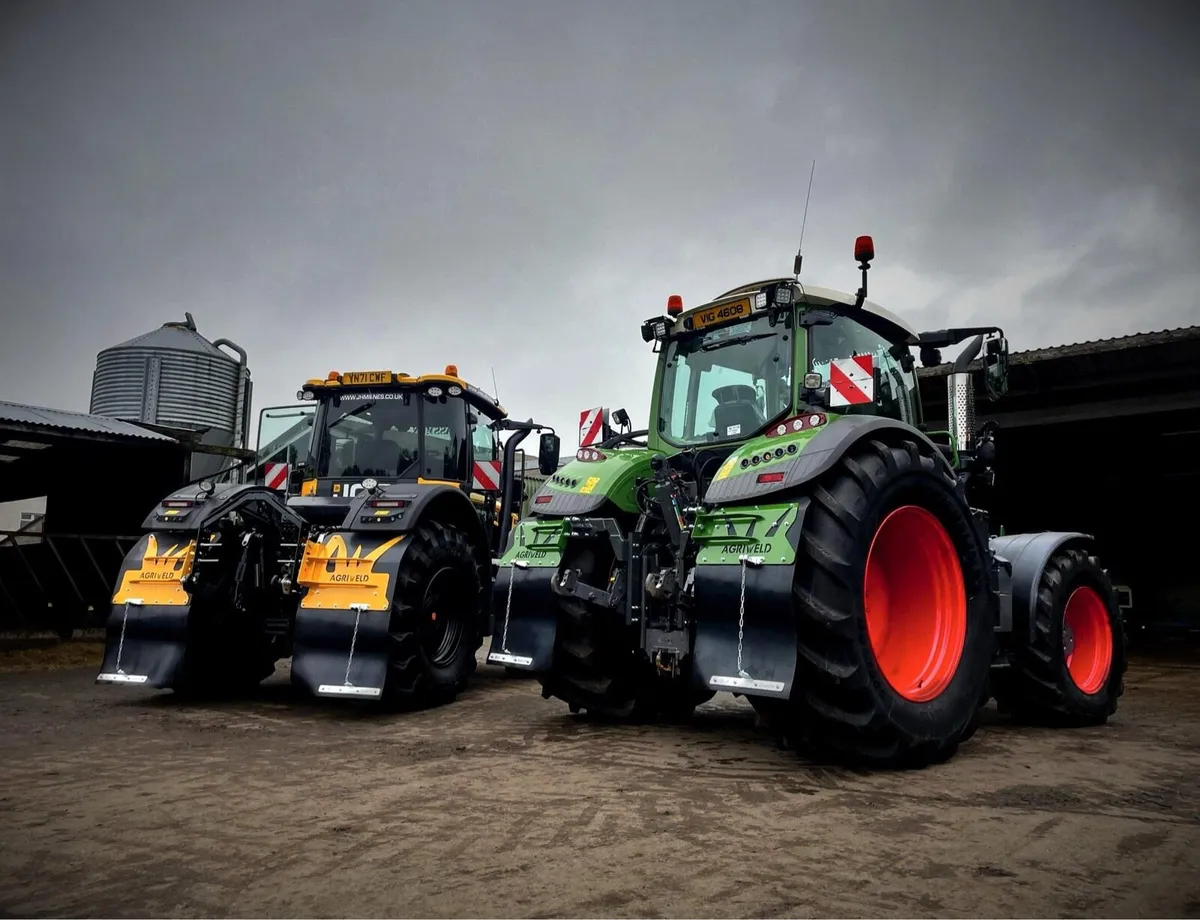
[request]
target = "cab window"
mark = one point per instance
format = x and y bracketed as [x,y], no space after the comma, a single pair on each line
[285,435]
[483,440]
[445,455]
[844,338]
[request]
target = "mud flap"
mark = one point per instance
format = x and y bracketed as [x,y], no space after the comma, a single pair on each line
[745,631]
[526,618]
[341,643]
[144,644]
[342,653]
[147,630]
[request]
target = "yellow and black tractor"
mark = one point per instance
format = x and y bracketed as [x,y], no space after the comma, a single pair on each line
[364,548]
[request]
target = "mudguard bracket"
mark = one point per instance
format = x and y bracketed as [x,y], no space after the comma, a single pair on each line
[1026,555]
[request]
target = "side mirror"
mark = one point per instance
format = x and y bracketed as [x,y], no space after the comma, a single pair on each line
[548,451]
[295,479]
[995,368]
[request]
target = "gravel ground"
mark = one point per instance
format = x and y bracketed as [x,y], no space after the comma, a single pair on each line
[122,802]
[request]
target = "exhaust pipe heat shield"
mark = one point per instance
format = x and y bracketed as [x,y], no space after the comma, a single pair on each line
[341,642]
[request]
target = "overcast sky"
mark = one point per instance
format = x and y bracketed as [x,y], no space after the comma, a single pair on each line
[394,184]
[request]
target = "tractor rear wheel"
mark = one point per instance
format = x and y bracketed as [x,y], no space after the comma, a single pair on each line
[891,604]
[1073,670]
[433,633]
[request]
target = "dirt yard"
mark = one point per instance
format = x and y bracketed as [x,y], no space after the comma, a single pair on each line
[118,802]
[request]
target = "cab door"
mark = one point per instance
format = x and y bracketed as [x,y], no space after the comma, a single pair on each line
[284,443]
[487,475]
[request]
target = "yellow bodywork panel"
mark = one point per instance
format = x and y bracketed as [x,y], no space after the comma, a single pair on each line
[336,578]
[159,579]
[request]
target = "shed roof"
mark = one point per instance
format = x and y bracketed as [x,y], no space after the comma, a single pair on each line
[59,421]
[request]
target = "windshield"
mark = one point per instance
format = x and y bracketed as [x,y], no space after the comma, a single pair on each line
[727,383]
[393,435]
[844,338]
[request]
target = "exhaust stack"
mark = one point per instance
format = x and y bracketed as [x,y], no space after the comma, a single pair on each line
[960,398]
[960,401]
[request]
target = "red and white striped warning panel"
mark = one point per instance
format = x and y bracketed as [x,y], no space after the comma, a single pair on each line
[852,381]
[591,426]
[486,475]
[275,475]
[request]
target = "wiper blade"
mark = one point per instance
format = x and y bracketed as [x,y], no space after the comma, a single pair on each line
[721,343]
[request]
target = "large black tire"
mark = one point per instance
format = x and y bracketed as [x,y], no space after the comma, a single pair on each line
[434,630]
[227,655]
[597,669]
[1039,686]
[842,705]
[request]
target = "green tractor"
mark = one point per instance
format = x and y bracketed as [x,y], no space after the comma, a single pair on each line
[791,529]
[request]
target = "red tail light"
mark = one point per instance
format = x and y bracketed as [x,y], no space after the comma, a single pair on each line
[386,503]
[542,499]
[177,503]
[770,477]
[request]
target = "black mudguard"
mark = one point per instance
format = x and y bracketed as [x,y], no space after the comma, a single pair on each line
[340,641]
[747,644]
[1028,554]
[340,646]
[766,663]
[147,629]
[526,618]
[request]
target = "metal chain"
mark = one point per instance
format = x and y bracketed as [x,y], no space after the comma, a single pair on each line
[353,638]
[512,579]
[745,561]
[121,641]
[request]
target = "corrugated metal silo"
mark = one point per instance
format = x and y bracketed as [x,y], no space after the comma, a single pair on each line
[174,377]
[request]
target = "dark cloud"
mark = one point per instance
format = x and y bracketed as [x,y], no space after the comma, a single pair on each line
[518,184]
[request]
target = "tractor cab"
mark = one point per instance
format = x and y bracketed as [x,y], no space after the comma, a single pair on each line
[777,357]
[355,427]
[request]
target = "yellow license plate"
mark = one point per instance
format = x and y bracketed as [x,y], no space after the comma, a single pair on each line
[722,314]
[368,377]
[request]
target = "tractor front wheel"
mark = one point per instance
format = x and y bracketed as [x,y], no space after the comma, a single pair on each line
[890,599]
[434,629]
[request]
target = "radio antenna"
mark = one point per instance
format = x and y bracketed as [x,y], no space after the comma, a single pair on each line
[804,222]
[495,388]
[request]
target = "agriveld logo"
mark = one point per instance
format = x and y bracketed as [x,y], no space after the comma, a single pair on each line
[336,550]
[337,576]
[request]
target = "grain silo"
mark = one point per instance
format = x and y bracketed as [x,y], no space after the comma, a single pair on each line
[175,378]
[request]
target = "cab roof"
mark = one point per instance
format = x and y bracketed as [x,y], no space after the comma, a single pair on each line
[822,297]
[358,381]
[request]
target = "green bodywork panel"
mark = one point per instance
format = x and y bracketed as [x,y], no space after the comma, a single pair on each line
[723,535]
[766,450]
[538,542]
[613,477]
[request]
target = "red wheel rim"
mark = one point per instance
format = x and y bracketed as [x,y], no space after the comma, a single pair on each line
[915,603]
[1087,639]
